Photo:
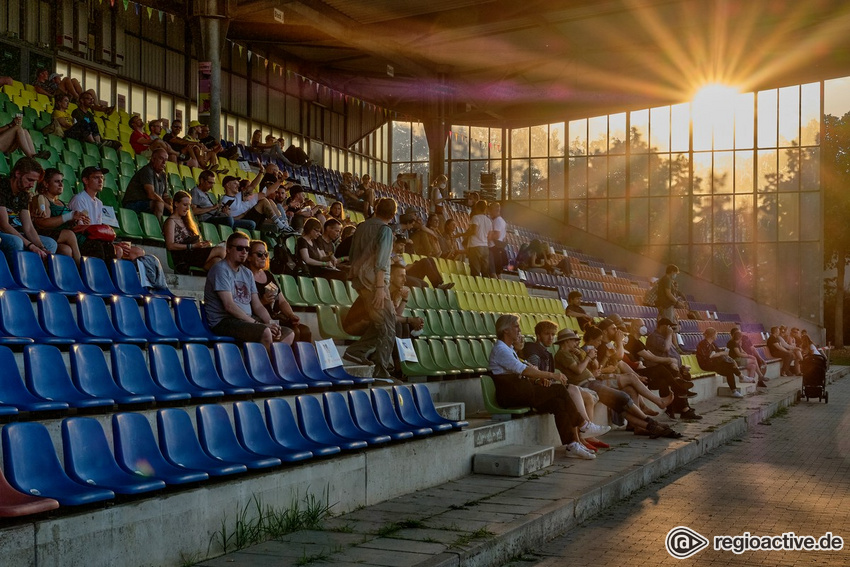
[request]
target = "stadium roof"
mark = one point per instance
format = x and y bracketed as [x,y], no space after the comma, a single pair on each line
[512,63]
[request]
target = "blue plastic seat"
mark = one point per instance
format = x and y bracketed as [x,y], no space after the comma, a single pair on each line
[47,377]
[409,413]
[314,425]
[339,418]
[167,371]
[88,459]
[218,439]
[28,270]
[91,375]
[308,361]
[189,320]
[253,434]
[287,367]
[230,365]
[18,319]
[6,279]
[13,392]
[260,368]
[127,318]
[96,277]
[307,352]
[32,467]
[161,321]
[126,279]
[425,405]
[136,451]
[365,418]
[202,372]
[284,430]
[56,318]
[93,318]
[65,275]
[131,373]
[385,410]
[180,445]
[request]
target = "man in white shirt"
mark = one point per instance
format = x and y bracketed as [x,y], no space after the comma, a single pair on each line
[478,250]
[496,238]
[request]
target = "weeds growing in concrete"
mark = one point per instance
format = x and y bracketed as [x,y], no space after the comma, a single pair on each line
[467,538]
[257,522]
[393,527]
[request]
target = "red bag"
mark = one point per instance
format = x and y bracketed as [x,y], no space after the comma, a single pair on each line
[96,231]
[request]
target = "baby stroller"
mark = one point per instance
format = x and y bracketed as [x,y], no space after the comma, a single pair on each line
[814,377]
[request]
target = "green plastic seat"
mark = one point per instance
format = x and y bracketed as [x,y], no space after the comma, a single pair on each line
[330,324]
[476,348]
[108,152]
[486,323]
[308,291]
[290,291]
[447,323]
[451,299]
[488,392]
[37,138]
[459,325]
[441,359]
[151,228]
[464,301]
[224,232]
[442,298]
[209,232]
[454,358]
[352,293]
[473,327]
[130,227]
[433,325]
[323,291]
[176,182]
[141,161]
[73,145]
[341,293]
[464,349]
[189,183]
[416,299]
[426,358]
[431,298]
[92,150]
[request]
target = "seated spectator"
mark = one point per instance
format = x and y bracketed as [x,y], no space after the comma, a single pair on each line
[716,359]
[183,239]
[532,257]
[241,203]
[750,349]
[574,309]
[744,360]
[232,304]
[53,218]
[271,295]
[344,247]
[426,239]
[420,269]
[295,155]
[791,338]
[299,208]
[17,232]
[146,144]
[52,84]
[313,252]
[207,158]
[477,249]
[337,211]
[777,350]
[62,120]
[454,241]
[400,184]
[13,136]
[577,364]
[187,150]
[269,148]
[206,207]
[87,202]
[85,127]
[809,347]
[213,145]
[360,198]
[520,384]
[148,190]
[662,366]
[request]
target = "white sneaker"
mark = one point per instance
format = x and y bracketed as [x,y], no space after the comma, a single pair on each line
[737,394]
[594,430]
[747,379]
[576,450]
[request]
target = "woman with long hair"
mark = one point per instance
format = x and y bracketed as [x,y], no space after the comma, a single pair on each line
[183,239]
[52,217]
[270,293]
[320,264]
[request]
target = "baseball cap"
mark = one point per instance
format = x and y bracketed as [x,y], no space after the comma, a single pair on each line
[93,169]
[665,321]
[194,124]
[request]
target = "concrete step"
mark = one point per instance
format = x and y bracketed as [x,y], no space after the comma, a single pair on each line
[514,460]
[746,389]
[456,411]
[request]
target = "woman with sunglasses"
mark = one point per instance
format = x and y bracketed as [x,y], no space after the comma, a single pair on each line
[183,239]
[270,293]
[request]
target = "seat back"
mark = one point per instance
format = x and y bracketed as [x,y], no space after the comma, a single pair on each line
[128,319]
[127,278]
[47,376]
[167,371]
[201,369]
[28,270]
[323,291]
[214,430]
[16,315]
[88,458]
[96,277]
[131,371]
[231,366]
[488,392]
[341,292]
[55,317]
[93,318]
[309,361]
[251,429]
[6,279]
[287,366]
[406,407]
[308,291]
[312,421]
[159,318]
[90,372]
[188,318]
[12,389]
[64,274]
[338,416]
[384,409]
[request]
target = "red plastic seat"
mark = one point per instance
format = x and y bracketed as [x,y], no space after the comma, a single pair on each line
[14,503]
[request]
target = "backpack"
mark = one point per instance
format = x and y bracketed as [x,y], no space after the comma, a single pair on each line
[283,261]
[650,298]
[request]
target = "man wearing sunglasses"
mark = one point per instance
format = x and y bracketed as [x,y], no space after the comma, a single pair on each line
[231,301]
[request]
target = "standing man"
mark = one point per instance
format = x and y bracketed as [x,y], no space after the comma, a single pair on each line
[148,190]
[17,232]
[668,294]
[231,301]
[497,238]
[370,274]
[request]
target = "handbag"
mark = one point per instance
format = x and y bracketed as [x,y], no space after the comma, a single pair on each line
[102,232]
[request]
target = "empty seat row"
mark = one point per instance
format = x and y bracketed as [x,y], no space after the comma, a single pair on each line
[143,462]
[168,375]
[448,357]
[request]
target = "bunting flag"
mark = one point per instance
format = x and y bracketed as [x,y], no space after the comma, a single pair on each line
[161,15]
[149,12]
[126,5]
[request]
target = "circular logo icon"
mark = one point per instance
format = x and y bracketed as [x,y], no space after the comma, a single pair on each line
[683,542]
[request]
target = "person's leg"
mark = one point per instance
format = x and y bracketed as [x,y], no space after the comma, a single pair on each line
[224,220]
[633,382]
[426,268]
[10,243]
[560,402]
[68,245]
[50,244]
[216,256]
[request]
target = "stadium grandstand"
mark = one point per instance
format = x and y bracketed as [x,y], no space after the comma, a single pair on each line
[140,140]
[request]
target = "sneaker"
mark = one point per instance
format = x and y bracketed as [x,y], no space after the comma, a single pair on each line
[737,393]
[746,379]
[761,384]
[576,450]
[351,357]
[594,430]
[690,414]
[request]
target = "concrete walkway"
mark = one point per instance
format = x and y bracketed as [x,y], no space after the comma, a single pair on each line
[488,520]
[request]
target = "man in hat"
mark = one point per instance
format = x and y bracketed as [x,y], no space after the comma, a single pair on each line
[577,364]
[520,384]
[574,309]
[663,366]
[148,190]
[242,204]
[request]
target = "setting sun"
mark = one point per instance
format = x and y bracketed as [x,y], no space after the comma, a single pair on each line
[712,113]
